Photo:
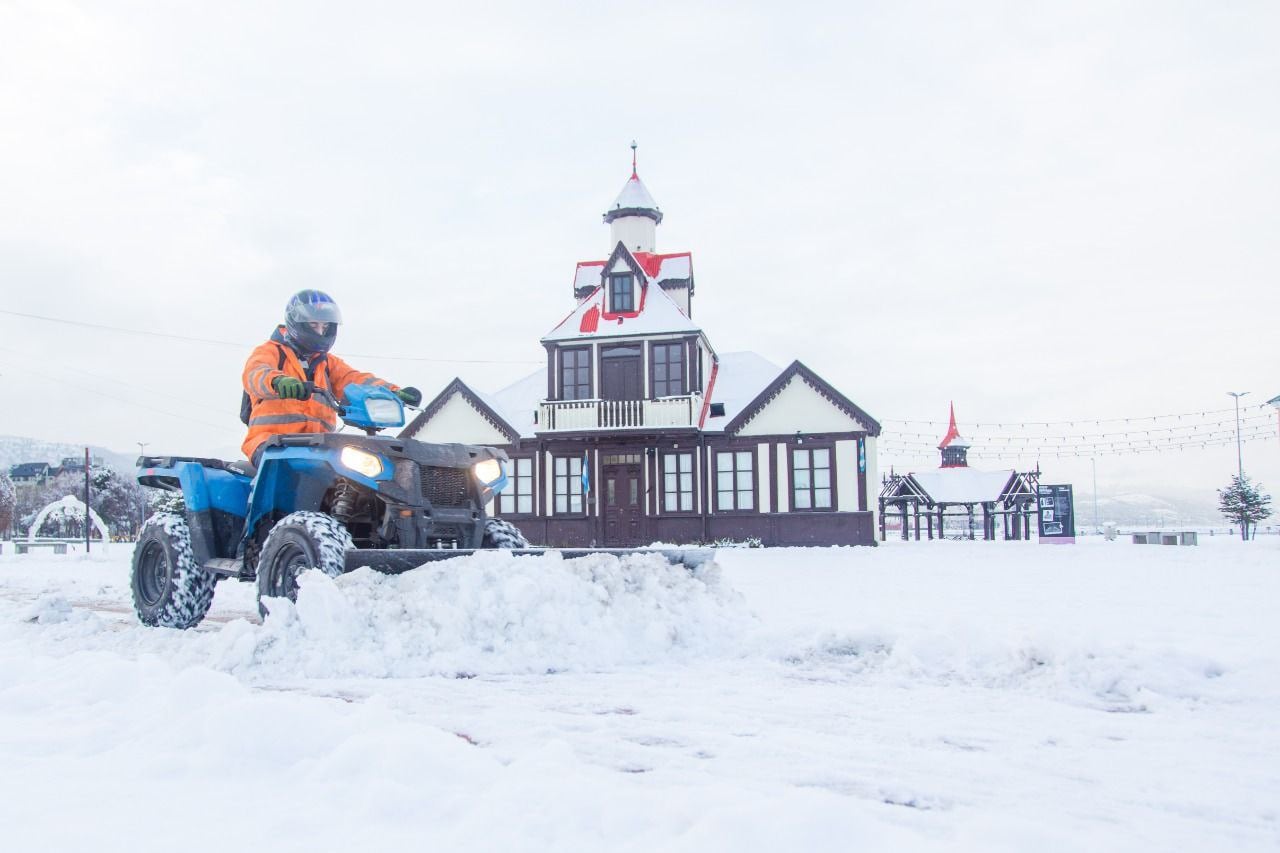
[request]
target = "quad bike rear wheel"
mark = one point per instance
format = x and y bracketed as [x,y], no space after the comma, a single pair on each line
[170,590]
[298,542]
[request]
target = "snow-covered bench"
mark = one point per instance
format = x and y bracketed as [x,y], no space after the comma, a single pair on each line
[24,547]
[1166,537]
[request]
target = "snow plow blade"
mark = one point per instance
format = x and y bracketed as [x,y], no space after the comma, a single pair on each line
[394,561]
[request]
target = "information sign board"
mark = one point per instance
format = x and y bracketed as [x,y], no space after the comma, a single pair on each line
[1057,515]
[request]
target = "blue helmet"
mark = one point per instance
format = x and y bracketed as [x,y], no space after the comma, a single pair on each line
[307,307]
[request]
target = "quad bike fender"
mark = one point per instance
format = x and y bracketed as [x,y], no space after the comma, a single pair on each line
[214,497]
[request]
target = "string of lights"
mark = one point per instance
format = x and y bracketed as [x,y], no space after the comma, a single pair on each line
[1023,443]
[1011,422]
[1229,423]
[892,447]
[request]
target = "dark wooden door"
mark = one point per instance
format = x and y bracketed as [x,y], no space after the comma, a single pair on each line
[623,518]
[620,375]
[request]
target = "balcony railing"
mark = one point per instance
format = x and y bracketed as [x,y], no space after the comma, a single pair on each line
[564,415]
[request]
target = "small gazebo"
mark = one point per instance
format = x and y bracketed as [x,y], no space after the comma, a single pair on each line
[925,499]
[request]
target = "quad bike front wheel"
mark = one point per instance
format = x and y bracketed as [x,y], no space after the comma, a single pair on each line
[499,533]
[298,542]
[170,589]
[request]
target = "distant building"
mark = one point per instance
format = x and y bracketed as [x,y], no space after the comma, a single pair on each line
[39,473]
[30,473]
[954,490]
[74,465]
[639,431]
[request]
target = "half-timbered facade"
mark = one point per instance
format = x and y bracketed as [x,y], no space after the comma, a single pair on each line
[638,431]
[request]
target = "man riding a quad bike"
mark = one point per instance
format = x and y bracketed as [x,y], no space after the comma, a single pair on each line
[276,400]
[315,498]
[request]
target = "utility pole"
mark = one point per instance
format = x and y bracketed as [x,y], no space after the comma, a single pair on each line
[142,510]
[1239,452]
[86,501]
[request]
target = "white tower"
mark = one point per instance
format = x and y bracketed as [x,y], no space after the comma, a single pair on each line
[634,216]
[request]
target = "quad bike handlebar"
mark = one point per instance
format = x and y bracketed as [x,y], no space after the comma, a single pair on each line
[325,396]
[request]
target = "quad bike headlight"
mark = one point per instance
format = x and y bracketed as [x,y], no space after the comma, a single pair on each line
[361,461]
[488,472]
[384,412]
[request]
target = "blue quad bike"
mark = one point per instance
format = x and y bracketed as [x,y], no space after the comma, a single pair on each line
[329,501]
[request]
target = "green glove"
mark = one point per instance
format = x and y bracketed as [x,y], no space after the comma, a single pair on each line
[289,388]
[410,395]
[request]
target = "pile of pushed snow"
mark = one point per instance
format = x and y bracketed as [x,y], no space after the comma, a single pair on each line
[492,612]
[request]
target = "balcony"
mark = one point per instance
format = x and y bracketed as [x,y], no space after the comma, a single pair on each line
[566,415]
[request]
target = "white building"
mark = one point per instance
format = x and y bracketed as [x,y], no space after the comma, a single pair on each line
[638,430]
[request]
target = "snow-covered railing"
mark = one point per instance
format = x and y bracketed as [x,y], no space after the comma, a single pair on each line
[565,415]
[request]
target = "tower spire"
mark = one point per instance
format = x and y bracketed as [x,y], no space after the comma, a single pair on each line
[954,449]
[634,213]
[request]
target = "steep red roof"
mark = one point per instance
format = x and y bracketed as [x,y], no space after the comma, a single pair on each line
[652,263]
[953,433]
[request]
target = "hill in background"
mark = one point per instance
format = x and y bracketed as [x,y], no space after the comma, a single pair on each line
[17,449]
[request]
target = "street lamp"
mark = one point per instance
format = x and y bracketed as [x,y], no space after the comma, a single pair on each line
[1094,462]
[1239,452]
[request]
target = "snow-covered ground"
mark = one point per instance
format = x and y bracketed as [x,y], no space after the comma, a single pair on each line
[935,696]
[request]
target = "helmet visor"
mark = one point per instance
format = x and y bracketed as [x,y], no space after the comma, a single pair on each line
[312,306]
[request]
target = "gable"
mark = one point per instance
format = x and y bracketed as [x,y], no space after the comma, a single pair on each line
[656,313]
[798,407]
[802,395]
[455,419]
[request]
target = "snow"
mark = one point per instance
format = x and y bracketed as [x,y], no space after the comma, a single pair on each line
[740,378]
[917,696]
[634,195]
[518,402]
[679,267]
[587,274]
[963,485]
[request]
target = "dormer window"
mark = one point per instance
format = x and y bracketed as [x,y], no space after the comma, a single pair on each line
[621,293]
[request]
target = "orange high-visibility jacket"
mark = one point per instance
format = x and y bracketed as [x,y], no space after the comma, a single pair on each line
[270,414]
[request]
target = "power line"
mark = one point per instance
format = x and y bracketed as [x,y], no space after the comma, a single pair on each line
[80,373]
[243,346]
[131,403]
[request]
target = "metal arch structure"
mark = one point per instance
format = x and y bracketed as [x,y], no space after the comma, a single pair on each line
[70,502]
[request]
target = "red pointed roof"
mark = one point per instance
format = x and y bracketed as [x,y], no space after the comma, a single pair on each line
[953,433]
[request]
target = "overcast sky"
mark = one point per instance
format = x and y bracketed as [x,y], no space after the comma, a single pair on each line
[1038,213]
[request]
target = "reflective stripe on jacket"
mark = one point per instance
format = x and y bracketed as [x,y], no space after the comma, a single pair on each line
[272,415]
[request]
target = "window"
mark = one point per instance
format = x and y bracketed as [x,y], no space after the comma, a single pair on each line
[811,478]
[575,373]
[568,484]
[621,293]
[735,481]
[677,482]
[668,370]
[517,498]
